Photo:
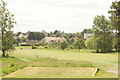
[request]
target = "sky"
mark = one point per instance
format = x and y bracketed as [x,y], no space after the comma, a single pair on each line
[65,15]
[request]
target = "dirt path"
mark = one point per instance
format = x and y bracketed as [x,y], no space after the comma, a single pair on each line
[113,71]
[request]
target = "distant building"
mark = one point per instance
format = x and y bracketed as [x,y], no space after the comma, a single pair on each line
[22,35]
[15,36]
[29,42]
[25,35]
[54,39]
[87,35]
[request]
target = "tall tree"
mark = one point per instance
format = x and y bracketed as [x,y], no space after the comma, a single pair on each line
[115,21]
[6,23]
[102,34]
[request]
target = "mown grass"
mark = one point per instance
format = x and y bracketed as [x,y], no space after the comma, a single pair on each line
[61,58]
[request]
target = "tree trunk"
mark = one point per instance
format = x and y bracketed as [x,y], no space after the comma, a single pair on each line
[116,48]
[3,50]
[118,42]
[3,55]
[97,51]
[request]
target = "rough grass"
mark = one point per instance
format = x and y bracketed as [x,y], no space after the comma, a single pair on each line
[63,58]
[13,64]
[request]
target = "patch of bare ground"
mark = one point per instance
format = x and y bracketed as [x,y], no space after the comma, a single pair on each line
[53,71]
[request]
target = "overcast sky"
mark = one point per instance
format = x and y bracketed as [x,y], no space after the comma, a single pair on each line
[49,15]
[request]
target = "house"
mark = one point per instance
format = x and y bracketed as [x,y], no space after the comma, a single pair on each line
[54,39]
[25,35]
[87,35]
[29,42]
[22,35]
[15,36]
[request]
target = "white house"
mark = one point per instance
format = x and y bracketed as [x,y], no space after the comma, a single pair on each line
[87,35]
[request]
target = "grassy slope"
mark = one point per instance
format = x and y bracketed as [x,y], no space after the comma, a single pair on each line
[102,61]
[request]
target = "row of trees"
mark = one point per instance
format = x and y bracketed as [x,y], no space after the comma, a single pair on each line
[72,44]
[56,33]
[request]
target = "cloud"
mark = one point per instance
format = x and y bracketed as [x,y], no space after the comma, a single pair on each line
[65,15]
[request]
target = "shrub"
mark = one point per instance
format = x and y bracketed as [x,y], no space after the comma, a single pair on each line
[46,47]
[12,65]
[71,47]
[34,47]
[55,44]
[63,45]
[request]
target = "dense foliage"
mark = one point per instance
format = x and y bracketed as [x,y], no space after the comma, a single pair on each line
[36,36]
[79,44]
[63,45]
[115,22]
[89,43]
[102,33]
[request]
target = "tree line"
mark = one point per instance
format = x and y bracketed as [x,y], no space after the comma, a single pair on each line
[40,35]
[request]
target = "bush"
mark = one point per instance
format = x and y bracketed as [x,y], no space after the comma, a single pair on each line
[46,47]
[55,44]
[71,47]
[34,47]
[63,45]
[12,65]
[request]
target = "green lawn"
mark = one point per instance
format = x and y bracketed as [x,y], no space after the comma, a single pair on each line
[107,63]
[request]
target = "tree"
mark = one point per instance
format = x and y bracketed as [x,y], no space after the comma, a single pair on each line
[0,40]
[6,23]
[115,21]
[63,45]
[55,32]
[18,33]
[86,31]
[102,34]
[89,43]
[79,44]
[79,35]
[36,36]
